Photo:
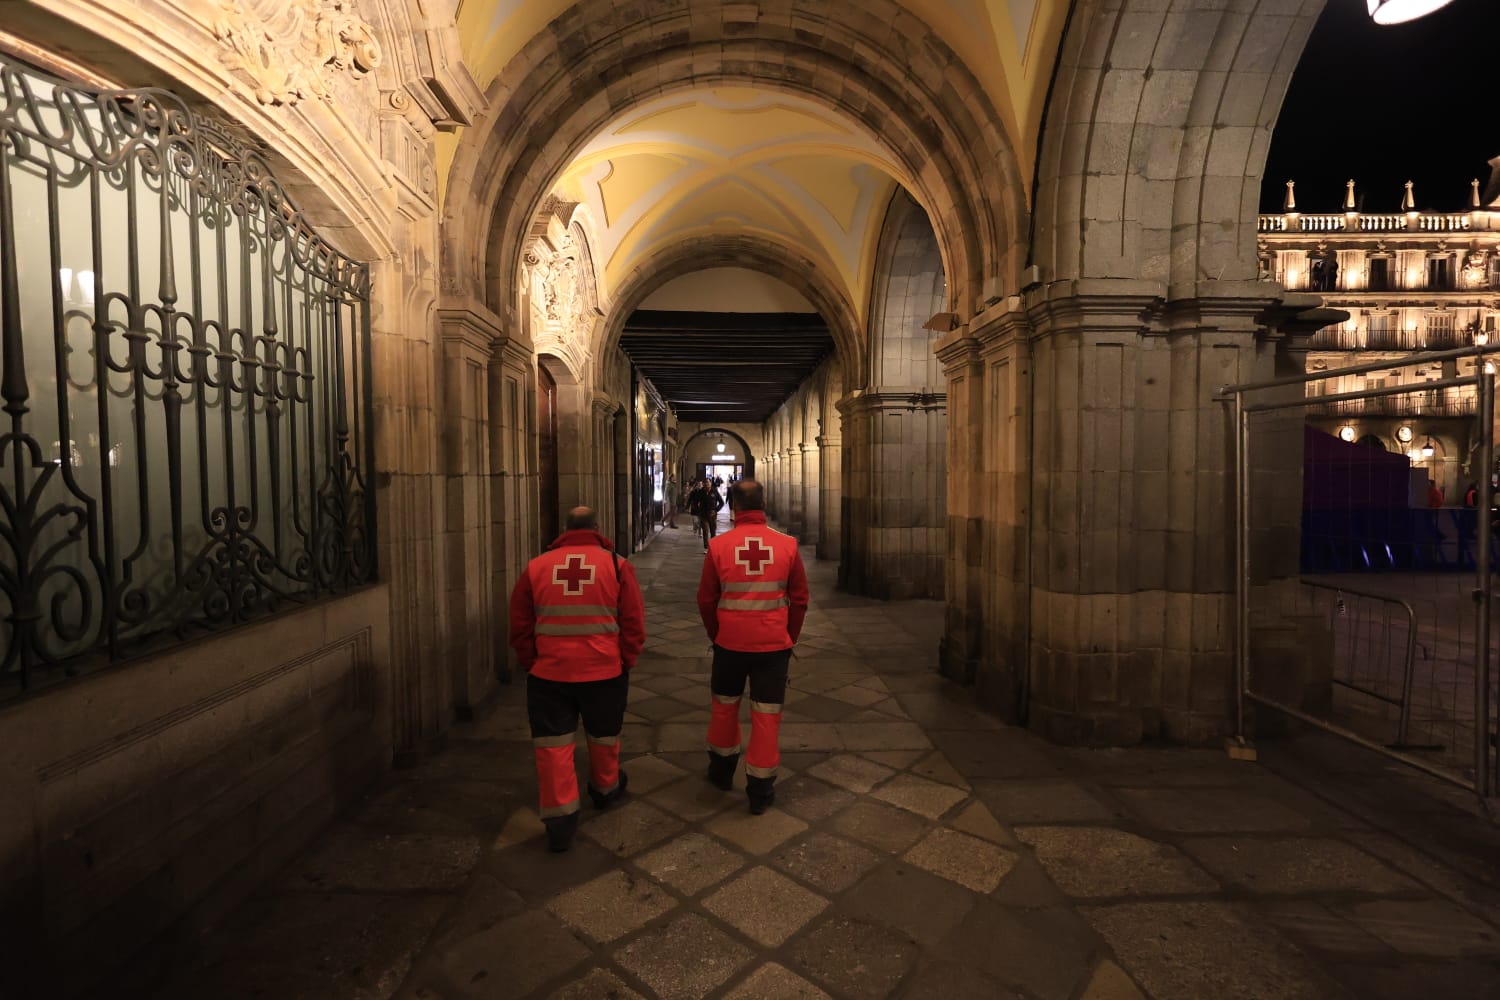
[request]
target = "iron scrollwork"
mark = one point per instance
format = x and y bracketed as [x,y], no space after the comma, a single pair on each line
[186,384]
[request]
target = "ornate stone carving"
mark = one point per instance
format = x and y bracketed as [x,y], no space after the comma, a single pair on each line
[290,49]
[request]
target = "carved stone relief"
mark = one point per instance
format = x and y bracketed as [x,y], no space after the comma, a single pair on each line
[293,49]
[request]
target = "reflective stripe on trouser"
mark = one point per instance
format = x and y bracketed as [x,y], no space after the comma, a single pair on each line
[557,782]
[765,730]
[604,763]
[724,726]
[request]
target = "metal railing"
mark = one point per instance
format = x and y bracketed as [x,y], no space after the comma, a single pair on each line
[1465,694]
[1353,640]
[1414,403]
[186,384]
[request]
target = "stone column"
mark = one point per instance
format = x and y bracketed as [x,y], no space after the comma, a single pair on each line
[895,493]
[830,491]
[513,514]
[469,643]
[1132,529]
[964,582]
[811,502]
[792,458]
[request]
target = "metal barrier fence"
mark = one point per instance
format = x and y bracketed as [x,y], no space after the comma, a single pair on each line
[1359,610]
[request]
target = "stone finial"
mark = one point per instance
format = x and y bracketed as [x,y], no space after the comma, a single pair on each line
[1290,203]
[1349,196]
[1409,200]
[1474,193]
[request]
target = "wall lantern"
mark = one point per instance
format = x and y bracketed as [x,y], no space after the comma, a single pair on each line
[1428,448]
[1404,434]
[1400,11]
[1346,433]
[720,446]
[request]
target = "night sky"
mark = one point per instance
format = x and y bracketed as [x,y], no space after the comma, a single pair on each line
[1384,105]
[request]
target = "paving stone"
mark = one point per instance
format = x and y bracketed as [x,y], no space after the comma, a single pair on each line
[810,799]
[1294,865]
[881,736]
[599,984]
[923,907]
[811,736]
[918,795]
[611,906]
[370,860]
[1193,950]
[1316,928]
[855,958]
[855,694]
[829,863]
[1110,982]
[765,906]
[880,825]
[937,767]
[523,825]
[775,982]
[630,828]
[1027,885]
[509,960]
[483,904]
[685,960]
[650,772]
[1212,810]
[897,759]
[1045,952]
[682,736]
[973,863]
[693,799]
[851,771]
[690,863]
[955,981]
[976,819]
[531,870]
[1034,802]
[1427,927]
[1091,861]
[759,835]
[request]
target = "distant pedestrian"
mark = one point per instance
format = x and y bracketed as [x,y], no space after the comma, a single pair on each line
[752,596]
[669,503]
[577,624]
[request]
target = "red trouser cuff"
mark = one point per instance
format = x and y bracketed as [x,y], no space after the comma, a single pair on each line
[764,754]
[604,764]
[724,726]
[557,782]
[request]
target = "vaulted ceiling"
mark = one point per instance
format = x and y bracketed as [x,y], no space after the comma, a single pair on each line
[737,161]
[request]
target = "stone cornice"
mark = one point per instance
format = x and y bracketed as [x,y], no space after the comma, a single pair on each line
[893,399]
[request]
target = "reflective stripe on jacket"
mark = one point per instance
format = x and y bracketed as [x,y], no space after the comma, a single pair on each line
[577,593]
[753,564]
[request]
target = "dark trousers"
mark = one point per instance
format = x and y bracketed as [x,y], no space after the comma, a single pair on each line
[554,708]
[766,675]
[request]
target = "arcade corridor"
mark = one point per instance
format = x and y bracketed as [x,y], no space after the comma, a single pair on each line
[917,849]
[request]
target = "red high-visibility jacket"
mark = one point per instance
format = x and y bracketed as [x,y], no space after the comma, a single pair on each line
[753,592]
[571,617]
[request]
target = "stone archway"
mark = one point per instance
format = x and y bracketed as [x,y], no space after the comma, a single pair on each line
[904,87]
[1092,590]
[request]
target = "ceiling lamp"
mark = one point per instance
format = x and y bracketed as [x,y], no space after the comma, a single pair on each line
[720,446]
[1428,449]
[1401,11]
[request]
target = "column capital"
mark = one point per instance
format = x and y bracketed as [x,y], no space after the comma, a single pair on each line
[829,441]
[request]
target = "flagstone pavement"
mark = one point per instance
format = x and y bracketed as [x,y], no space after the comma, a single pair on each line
[917,849]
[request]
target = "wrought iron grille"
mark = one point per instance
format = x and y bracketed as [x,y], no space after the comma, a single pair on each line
[185,384]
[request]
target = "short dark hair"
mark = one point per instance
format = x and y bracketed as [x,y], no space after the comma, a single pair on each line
[747,495]
[582,519]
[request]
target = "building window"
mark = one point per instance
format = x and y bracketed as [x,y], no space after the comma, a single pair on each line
[1440,274]
[186,391]
[1380,274]
[1440,331]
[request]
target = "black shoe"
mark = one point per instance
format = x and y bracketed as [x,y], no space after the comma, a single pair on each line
[603,800]
[760,803]
[721,771]
[560,830]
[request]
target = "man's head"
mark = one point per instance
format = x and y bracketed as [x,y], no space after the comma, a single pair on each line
[582,519]
[747,495]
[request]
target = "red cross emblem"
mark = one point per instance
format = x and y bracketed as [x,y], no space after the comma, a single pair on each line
[573,575]
[754,558]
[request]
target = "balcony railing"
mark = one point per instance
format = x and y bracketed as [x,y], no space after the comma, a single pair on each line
[1337,338]
[1388,222]
[1418,403]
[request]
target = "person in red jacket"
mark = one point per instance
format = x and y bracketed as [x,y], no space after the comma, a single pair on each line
[577,624]
[753,598]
